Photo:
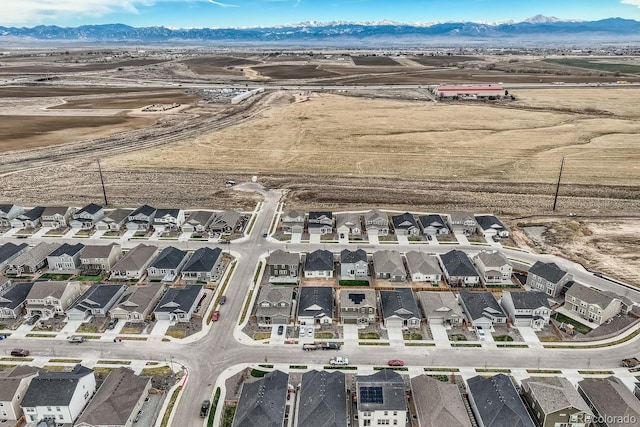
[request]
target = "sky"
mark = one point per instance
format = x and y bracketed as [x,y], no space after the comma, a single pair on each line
[253,13]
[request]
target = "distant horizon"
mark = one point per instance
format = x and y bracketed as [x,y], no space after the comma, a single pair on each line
[220,14]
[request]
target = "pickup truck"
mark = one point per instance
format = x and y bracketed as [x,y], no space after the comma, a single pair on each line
[630,363]
[339,361]
[321,346]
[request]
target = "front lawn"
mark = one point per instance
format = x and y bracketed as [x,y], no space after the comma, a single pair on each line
[502,338]
[412,336]
[368,336]
[577,326]
[56,276]
[354,283]
[89,278]
[87,328]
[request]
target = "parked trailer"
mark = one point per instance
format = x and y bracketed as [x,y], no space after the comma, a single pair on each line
[321,346]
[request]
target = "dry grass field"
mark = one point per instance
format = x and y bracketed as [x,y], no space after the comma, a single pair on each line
[126,102]
[57,67]
[377,61]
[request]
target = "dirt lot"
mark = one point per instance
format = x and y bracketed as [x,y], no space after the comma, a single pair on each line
[443,60]
[218,65]
[125,102]
[74,68]
[287,72]
[43,91]
[374,60]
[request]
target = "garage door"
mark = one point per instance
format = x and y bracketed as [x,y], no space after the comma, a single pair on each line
[394,323]
[436,320]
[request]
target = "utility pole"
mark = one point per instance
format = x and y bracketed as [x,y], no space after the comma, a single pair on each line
[555,199]
[104,192]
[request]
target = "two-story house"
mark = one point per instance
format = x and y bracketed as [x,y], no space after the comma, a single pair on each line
[96,301]
[273,305]
[382,399]
[9,212]
[348,225]
[48,299]
[134,263]
[353,264]
[494,267]
[458,269]
[609,398]
[376,223]
[423,267]
[399,309]
[168,264]
[315,305]
[100,257]
[548,277]
[433,225]
[358,306]
[205,265]
[462,223]
[283,267]
[32,260]
[87,217]
[197,222]
[141,219]
[56,216]
[13,298]
[168,219]
[292,222]
[66,257]
[319,264]
[388,265]
[405,225]
[527,308]
[320,223]
[554,401]
[28,219]
[114,220]
[592,304]
[14,383]
[137,303]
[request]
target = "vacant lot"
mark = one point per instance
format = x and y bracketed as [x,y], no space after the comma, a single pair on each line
[600,65]
[125,102]
[217,65]
[440,61]
[384,61]
[49,91]
[293,71]
[75,68]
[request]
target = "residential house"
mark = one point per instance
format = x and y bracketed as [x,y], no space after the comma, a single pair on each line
[87,217]
[320,223]
[527,308]
[263,402]
[14,383]
[205,265]
[100,257]
[462,223]
[168,219]
[458,269]
[13,298]
[423,267]
[57,216]
[315,305]
[319,264]
[227,222]
[273,305]
[59,395]
[388,265]
[118,400]
[96,301]
[376,223]
[482,309]
[323,400]
[441,308]
[433,225]
[490,227]
[382,399]
[10,251]
[496,402]
[168,264]
[141,219]
[548,277]
[66,257]
[28,219]
[283,267]
[354,264]
[113,221]
[348,225]
[137,303]
[438,403]
[134,263]
[179,304]
[9,212]
[357,306]
[405,225]
[554,401]
[197,222]
[399,308]
[292,222]
[48,299]
[494,267]
[32,260]
[609,398]
[592,304]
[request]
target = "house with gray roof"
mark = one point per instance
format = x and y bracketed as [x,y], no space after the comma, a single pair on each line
[197,222]
[358,306]
[8,212]
[179,304]
[48,299]
[496,402]
[138,302]
[529,308]
[28,219]
[458,269]
[226,222]
[59,395]
[168,264]
[548,277]
[462,223]
[555,401]
[319,264]
[205,265]
[438,404]
[376,223]
[323,400]
[399,308]
[13,299]
[66,257]
[592,304]
[405,225]
[141,219]
[433,225]
[263,402]
[118,400]
[320,223]
[273,305]
[482,309]
[32,260]
[14,383]
[610,396]
[114,220]
[167,219]
[354,264]
[10,251]
[100,257]
[494,267]
[87,217]
[96,301]
[315,305]
[388,265]
[423,267]
[441,308]
[490,227]
[382,399]
[56,216]
[292,221]
[348,225]
[283,267]
[134,263]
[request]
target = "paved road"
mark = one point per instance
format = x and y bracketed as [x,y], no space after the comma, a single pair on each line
[218,350]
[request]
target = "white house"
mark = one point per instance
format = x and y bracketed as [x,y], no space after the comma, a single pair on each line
[13,385]
[382,399]
[494,267]
[529,308]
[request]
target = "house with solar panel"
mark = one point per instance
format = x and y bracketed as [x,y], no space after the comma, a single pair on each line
[357,306]
[381,399]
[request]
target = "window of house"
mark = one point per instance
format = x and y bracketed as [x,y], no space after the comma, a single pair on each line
[366,423]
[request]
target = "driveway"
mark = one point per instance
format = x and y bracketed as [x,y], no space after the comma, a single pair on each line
[275,338]
[350,334]
[296,237]
[439,333]
[403,240]
[71,326]
[529,336]
[395,336]
[462,239]
[315,238]
[373,239]
[160,328]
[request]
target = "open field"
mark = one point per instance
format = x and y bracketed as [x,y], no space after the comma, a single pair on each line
[56,67]
[600,65]
[287,72]
[374,61]
[126,102]
[45,91]
[217,65]
[444,60]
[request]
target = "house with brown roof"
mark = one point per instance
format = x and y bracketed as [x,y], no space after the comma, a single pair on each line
[273,305]
[100,257]
[197,222]
[592,304]
[32,260]
[438,404]
[134,263]
[56,216]
[49,299]
[494,267]
[376,223]
[358,306]
[462,222]
[138,303]
[555,401]
[14,383]
[610,397]
[114,220]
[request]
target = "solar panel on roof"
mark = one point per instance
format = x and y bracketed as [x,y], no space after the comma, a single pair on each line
[371,394]
[356,298]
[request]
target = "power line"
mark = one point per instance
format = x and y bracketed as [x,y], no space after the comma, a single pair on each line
[104,191]
[555,199]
